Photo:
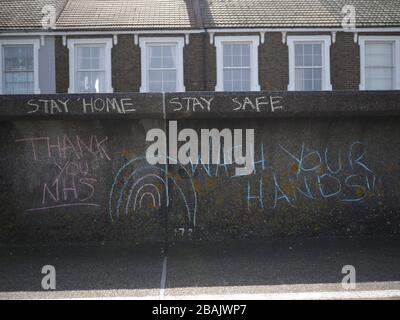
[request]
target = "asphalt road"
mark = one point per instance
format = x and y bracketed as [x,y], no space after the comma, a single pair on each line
[280,269]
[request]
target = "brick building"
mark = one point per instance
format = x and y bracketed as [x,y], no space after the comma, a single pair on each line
[93,46]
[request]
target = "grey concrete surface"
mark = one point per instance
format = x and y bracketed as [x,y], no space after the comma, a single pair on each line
[250,269]
[74,167]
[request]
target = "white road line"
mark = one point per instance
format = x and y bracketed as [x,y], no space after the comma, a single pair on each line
[333,295]
[328,295]
[163,278]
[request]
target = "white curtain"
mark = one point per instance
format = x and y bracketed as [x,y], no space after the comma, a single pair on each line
[18,77]
[379,65]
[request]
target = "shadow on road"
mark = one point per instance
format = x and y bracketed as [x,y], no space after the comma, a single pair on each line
[203,264]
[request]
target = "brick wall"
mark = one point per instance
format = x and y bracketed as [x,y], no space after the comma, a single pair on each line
[195,63]
[273,63]
[200,63]
[62,66]
[345,63]
[126,66]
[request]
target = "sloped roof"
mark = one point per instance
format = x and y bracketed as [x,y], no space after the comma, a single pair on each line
[188,14]
[297,13]
[26,14]
[127,14]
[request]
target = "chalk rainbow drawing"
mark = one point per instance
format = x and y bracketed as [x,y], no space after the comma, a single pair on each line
[137,181]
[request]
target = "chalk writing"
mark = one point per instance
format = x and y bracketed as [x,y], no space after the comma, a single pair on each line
[191,104]
[67,146]
[242,104]
[85,105]
[258,104]
[69,180]
[137,183]
[312,175]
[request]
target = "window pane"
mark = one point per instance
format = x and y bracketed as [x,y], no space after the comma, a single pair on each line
[18,88]
[84,64]
[308,79]
[155,62]
[308,74]
[228,76]
[169,56]
[317,74]
[90,57]
[169,87]
[308,85]
[246,60]
[299,61]
[237,67]
[162,56]
[317,60]
[379,78]
[236,74]
[308,66]
[237,61]
[236,55]
[90,82]
[162,73]
[236,85]
[308,61]
[162,80]
[155,76]
[91,65]
[155,87]
[299,76]
[308,48]
[168,51]
[227,54]
[317,49]
[298,49]
[379,61]
[84,52]
[18,82]
[98,79]
[155,51]
[246,50]
[379,54]
[168,62]
[246,75]
[317,85]
[18,76]
[227,85]
[18,58]
[379,84]
[169,75]
[236,49]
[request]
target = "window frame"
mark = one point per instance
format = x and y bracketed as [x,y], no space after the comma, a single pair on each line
[326,41]
[35,43]
[396,41]
[180,44]
[72,45]
[254,42]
